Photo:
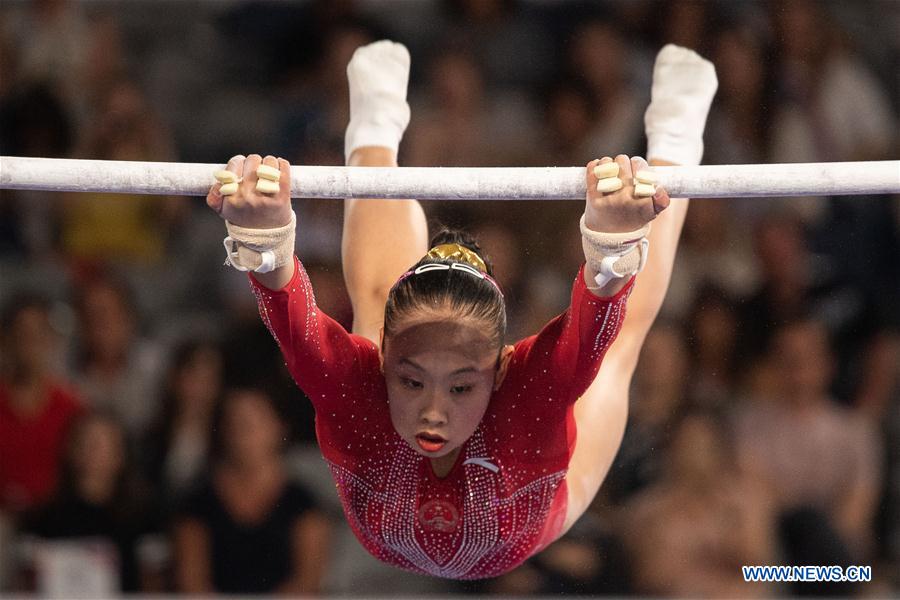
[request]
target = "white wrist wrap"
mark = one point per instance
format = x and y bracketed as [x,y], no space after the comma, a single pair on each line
[260,250]
[378,75]
[684,84]
[615,255]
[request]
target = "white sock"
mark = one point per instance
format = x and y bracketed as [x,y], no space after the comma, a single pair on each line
[378,75]
[684,84]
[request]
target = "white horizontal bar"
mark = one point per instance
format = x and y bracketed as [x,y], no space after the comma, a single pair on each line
[458,183]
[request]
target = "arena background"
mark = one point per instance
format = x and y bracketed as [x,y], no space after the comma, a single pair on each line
[765,417]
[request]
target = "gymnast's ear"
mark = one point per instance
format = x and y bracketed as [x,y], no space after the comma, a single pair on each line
[505,358]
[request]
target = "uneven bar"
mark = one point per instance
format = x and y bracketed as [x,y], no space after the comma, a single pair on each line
[456,183]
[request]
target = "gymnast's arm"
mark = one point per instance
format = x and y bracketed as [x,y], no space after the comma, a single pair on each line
[618,212]
[319,352]
[574,343]
[254,210]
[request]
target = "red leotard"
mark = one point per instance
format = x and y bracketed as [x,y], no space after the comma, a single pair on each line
[505,498]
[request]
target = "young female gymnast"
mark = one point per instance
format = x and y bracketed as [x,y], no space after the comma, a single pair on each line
[454,454]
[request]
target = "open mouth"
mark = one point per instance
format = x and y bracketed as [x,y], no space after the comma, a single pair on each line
[430,442]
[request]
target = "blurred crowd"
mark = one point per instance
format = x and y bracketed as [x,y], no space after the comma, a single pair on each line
[151,439]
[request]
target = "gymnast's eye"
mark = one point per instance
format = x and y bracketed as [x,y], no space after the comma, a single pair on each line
[410,383]
[461,389]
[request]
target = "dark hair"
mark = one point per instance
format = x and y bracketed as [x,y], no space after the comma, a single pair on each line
[18,304]
[218,445]
[182,356]
[159,438]
[128,499]
[468,297]
[117,285]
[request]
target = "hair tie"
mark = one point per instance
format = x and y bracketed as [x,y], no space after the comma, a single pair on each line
[458,253]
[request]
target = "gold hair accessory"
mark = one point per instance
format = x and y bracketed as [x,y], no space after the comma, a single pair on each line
[458,253]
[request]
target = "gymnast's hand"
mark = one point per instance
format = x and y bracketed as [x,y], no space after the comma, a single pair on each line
[248,207]
[621,211]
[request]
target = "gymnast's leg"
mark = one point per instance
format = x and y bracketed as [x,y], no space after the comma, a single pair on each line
[381,238]
[683,88]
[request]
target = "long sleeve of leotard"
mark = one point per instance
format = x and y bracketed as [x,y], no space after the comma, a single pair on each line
[567,352]
[321,355]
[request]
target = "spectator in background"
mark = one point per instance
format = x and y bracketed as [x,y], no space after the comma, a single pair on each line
[98,497]
[686,23]
[737,131]
[458,116]
[113,368]
[713,327]
[831,107]
[313,122]
[511,43]
[598,55]
[34,121]
[51,37]
[177,447]
[710,229]
[36,407]
[658,395]
[247,529]
[690,533]
[822,462]
[792,282]
[568,115]
[105,228]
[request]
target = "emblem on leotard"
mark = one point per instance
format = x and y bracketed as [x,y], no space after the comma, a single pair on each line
[438,515]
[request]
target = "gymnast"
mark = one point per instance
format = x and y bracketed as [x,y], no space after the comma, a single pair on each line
[455,454]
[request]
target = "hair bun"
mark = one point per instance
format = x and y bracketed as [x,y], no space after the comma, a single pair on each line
[457,236]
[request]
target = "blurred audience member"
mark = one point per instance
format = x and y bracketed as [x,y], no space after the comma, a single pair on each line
[36,407]
[686,23]
[51,37]
[598,56]
[177,447]
[458,116]
[568,120]
[690,533]
[109,228]
[713,327]
[99,498]
[880,388]
[791,282]
[658,394]
[831,107]
[737,131]
[313,123]
[710,229]
[822,461]
[34,121]
[114,369]
[510,41]
[247,529]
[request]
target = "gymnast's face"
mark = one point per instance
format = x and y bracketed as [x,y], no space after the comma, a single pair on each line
[440,376]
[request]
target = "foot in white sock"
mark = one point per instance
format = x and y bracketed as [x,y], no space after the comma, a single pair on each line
[684,84]
[378,75]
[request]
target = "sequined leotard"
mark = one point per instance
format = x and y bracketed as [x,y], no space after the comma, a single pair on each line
[505,498]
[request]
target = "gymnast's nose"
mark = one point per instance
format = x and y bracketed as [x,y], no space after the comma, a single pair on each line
[433,413]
